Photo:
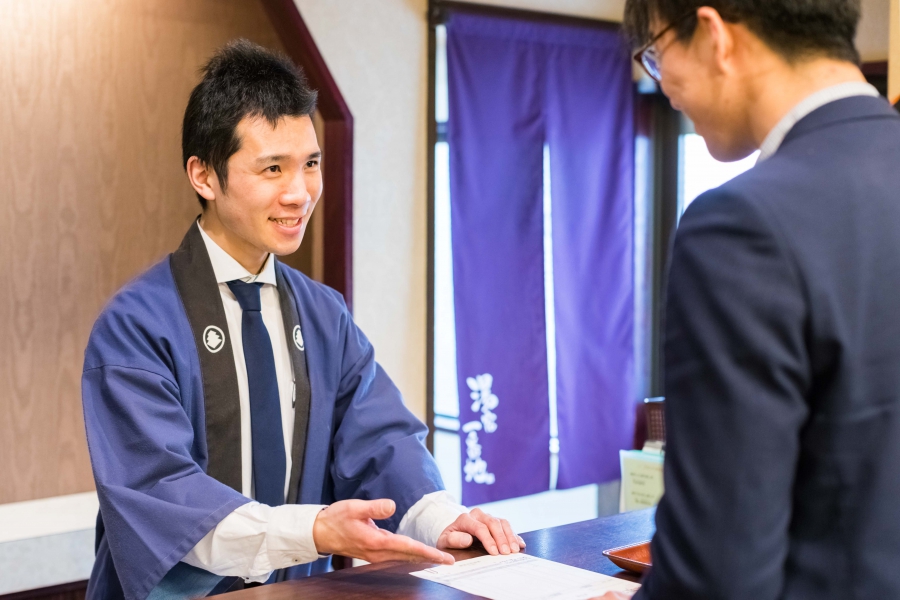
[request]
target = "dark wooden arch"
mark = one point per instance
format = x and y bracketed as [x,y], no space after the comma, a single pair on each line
[337,150]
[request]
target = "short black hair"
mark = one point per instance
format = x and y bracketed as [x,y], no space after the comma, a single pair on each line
[241,79]
[795,29]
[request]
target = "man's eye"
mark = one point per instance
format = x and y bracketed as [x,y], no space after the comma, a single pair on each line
[274,169]
[312,163]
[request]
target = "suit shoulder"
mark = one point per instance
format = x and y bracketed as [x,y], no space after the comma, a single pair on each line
[743,217]
[758,196]
[736,200]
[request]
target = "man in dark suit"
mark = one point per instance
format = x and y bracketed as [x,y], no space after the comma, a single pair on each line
[782,342]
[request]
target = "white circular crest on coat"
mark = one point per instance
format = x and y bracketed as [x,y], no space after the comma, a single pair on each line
[298,338]
[213,339]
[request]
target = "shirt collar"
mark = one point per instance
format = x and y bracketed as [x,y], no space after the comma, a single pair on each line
[228,269]
[815,100]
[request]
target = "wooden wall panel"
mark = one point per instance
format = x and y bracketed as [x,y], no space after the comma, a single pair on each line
[91,193]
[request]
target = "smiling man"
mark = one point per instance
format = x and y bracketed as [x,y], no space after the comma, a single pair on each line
[239,427]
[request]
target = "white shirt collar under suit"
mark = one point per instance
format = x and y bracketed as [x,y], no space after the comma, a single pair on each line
[816,100]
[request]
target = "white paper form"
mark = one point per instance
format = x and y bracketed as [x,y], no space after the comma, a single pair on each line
[524,577]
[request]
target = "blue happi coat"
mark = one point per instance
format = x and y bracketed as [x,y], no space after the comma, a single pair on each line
[164,455]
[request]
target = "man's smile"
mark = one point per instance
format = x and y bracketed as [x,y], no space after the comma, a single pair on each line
[287,222]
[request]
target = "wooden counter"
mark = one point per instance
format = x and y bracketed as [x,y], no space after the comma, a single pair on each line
[579,544]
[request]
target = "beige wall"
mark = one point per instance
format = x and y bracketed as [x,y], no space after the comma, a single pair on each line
[377,52]
[894,61]
[872,35]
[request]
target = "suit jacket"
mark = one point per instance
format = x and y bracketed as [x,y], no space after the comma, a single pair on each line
[782,374]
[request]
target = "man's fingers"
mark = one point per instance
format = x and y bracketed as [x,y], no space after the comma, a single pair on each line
[383,508]
[510,536]
[459,539]
[481,531]
[496,528]
[432,555]
[398,547]
[374,509]
[346,527]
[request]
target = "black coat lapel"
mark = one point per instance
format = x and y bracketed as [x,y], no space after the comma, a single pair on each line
[302,392]
[199,291]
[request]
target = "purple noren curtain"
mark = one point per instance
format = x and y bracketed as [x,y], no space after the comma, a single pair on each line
[496,137]
[590,132]
[515,86]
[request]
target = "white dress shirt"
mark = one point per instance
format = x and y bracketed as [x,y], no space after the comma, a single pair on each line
[256,539]
[815,100]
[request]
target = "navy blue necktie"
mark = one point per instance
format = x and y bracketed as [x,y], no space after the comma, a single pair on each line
[269,462]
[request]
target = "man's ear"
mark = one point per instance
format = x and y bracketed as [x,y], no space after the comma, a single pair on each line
[719,37]
[202,177]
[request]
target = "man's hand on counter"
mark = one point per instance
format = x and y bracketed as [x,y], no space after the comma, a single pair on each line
[495,534]
[348,528]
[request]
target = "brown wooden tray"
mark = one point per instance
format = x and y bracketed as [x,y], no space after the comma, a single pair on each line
[634,558]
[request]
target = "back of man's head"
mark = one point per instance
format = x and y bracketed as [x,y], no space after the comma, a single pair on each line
[241,80]
[795,29]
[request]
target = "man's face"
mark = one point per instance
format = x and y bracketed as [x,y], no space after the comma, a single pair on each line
[697,83]
[274,184]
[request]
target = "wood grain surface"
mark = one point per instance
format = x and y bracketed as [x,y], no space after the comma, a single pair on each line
[580,545]
[92,192]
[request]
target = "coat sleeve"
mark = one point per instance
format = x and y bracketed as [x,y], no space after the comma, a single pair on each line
[736,376]
[156,502]
[379,446]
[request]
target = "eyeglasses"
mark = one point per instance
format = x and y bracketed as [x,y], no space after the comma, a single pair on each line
[648,56]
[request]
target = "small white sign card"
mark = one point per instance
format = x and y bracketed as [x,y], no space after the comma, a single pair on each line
[524,577]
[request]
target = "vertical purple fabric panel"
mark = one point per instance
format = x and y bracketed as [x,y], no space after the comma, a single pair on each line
[591,139]
[496,136]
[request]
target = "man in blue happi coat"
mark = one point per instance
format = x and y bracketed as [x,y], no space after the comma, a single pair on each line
[239,427]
